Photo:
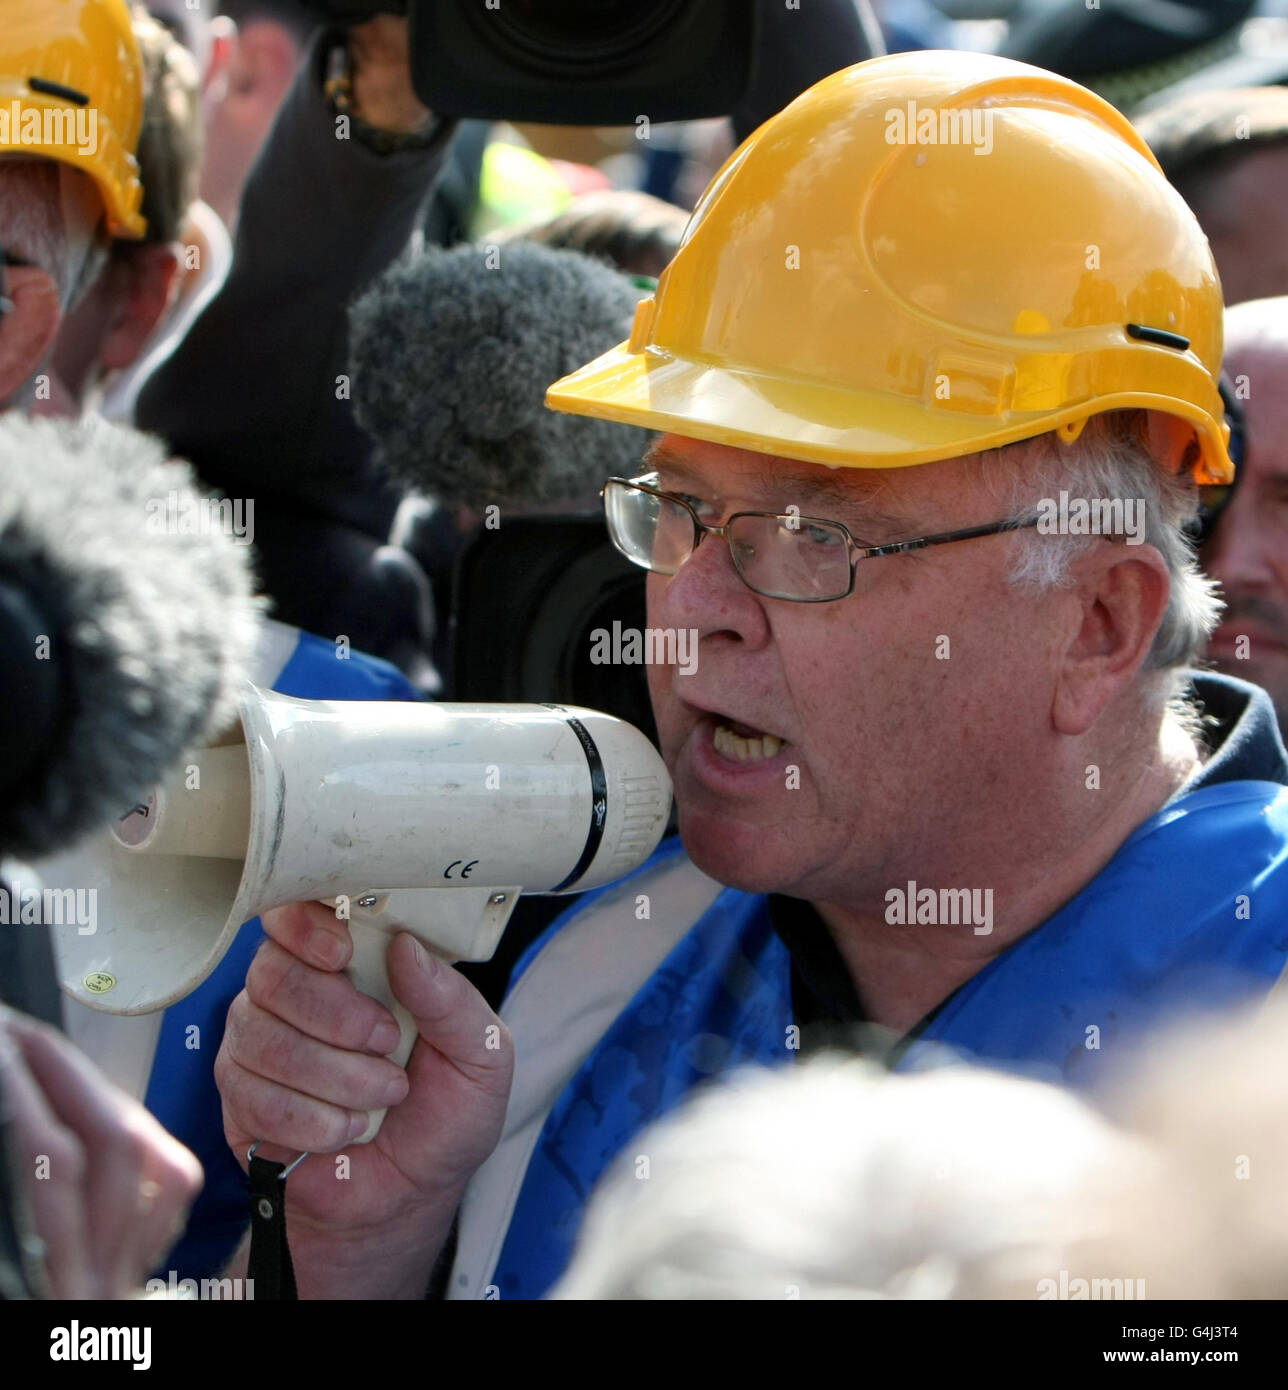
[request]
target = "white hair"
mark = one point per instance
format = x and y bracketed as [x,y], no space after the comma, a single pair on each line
[1110,460]
[50,215]
[833,1178]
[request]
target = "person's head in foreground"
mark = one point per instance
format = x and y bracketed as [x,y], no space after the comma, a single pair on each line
[1211,1098]
[834,1179]
[71,85]
[1008,342]
[1248,549]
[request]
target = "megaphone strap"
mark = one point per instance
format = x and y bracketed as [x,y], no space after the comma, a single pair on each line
[269,1270]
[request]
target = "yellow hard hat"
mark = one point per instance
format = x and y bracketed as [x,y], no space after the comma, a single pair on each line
[71,89]
[923,256]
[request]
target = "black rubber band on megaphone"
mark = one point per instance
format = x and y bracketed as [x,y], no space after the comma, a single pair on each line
[598,799]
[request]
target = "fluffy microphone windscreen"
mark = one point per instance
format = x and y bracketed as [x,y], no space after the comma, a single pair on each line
[148,620]
[451,353]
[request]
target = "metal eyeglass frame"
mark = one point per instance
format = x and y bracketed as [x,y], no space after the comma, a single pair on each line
[856,551]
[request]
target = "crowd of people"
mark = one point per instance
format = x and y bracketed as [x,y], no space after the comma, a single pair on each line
[954,981]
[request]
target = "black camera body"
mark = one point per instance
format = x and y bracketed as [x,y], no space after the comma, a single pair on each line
[353,11]
[573,62]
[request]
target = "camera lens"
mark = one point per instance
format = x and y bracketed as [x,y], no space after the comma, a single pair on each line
[564,36]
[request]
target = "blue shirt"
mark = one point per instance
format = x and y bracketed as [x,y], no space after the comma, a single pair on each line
[1191,913]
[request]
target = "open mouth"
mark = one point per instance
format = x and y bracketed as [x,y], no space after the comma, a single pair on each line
[743,744]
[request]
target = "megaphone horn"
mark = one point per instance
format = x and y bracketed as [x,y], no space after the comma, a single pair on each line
[430,818]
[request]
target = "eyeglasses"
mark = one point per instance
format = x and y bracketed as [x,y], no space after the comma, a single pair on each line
[803,559]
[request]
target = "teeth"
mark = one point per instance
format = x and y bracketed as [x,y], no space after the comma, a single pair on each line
[746,750]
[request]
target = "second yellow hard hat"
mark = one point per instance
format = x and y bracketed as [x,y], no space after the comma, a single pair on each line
[71,89]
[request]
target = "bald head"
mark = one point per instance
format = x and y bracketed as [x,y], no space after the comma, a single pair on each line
[1248,552]
[1255,322]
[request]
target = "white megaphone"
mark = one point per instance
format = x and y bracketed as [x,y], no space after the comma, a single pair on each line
[430,818]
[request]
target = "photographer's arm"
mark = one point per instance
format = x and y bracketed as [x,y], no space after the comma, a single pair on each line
[251,395]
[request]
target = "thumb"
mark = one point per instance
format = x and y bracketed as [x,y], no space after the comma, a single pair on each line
[460,1069]
[451,1015]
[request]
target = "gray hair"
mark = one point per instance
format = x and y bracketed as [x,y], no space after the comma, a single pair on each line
[37,199]
[831,1178]
[1110,461]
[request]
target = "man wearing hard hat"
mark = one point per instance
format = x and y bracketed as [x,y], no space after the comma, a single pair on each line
[71,108]
[937,366]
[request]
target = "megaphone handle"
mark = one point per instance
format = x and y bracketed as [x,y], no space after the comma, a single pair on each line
[370,974]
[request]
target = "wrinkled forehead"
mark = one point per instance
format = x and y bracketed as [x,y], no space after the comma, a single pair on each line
[723,468]
[723,473]
[1256,364]
[1258,373]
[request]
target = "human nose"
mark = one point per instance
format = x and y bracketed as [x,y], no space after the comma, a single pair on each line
[708,594]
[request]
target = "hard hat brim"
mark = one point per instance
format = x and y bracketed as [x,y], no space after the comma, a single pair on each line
[816,423]
[122,222]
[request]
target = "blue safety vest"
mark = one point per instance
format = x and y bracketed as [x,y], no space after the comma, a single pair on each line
[1191,913]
